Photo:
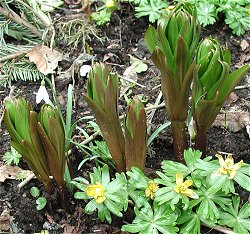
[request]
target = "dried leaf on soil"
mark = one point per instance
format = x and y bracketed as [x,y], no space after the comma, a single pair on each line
[45,58]
[235,121]
[244,44]
[138,65]
[13,172]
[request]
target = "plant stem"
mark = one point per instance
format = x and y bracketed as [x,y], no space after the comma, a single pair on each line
[219,228]
[201,141]
[65,202]
[179,139]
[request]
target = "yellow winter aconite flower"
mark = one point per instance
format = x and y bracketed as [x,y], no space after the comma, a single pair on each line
[151,189]
[110,4]
[228,166]
[182,187]
[96,191]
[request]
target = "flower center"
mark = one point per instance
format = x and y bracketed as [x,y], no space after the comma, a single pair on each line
[180,188]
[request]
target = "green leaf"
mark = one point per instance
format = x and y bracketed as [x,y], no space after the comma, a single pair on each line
[153,220]
[190,222]
[105,175]
[151,38]
[115,209]
[171,168]
[235,218]
[91,206]
[12,157]
[35,192]
[41,203]
[191,158]
[242,180]
[81,196]
[157,132]
[217,183]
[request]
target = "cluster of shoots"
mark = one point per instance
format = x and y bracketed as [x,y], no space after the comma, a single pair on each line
[186,63]
[40,139]
[127,149]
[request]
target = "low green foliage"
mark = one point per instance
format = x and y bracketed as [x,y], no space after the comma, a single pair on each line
[179,200]
[106,196]
[153,219]
[12,157]
[35,192]
[208,11]
[235,217]
[40,201]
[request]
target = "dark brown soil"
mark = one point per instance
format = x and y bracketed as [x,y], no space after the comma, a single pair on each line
[127,32]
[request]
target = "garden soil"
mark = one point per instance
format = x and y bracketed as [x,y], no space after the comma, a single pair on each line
[123,36]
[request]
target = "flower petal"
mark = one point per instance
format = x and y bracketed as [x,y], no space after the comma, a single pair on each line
[194,195]
[179,178]
[238,165]
[188,183]
[229,159]
[221,160]
[100,199]
[232,174]
[188,192]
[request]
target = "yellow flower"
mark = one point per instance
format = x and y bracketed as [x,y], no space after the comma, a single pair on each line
[151,189]
[96,191]
[110,4]
[182,187]
[228,166]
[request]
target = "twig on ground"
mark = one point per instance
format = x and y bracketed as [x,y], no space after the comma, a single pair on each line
[26,181]
[149,108]
[132,81]
[15,55]
[220,229]
[242,87]
[156,87]
[9,14]
[92,137]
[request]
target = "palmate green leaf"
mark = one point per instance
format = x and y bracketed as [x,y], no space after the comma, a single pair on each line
[191,157]
[12,157]
[190,222]
[205,167]
[206,204]
[238,19]
[220,182]
[153,220]
[137,179]
[171,168]
[206,12]
[153,9]
[237,219]
[115,193]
